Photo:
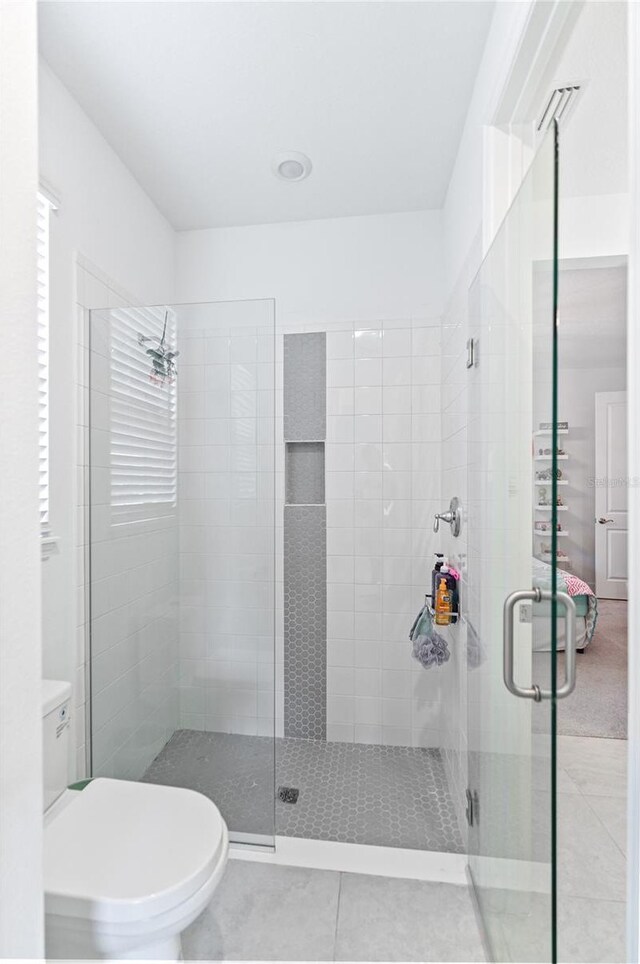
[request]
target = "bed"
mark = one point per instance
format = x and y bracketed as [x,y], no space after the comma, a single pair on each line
[586,609]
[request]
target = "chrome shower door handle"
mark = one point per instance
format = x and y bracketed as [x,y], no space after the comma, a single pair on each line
[535,692]
[570,646]
[510,603]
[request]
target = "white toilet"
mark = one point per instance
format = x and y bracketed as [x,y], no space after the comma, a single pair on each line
[127,866]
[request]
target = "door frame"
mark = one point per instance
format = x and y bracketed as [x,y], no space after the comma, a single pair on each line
[601,400]
[633,463]
[507,152]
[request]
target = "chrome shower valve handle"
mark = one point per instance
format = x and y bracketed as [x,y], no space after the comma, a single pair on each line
[445,516]
[453,517]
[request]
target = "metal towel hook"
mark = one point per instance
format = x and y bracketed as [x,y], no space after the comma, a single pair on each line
[453,517]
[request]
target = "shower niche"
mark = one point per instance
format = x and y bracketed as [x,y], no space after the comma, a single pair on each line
[304,473]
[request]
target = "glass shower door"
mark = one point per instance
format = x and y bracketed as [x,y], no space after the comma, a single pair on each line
[182,553]
[514,539]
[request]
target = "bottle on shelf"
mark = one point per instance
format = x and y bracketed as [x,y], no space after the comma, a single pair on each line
[443,602]
[439,563]
[452,585]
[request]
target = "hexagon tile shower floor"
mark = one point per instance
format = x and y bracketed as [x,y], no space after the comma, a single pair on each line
[389,796]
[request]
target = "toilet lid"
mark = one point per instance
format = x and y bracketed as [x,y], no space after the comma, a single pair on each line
[124,851]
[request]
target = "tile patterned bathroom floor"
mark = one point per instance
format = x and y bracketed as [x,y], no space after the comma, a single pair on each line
[263,912]
[267,912]
[352,792]
[357,793]
[234,771]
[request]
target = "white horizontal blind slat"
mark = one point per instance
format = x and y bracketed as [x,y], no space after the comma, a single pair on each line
[142,419]
[42,282]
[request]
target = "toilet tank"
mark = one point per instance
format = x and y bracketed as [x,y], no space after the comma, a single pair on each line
[56,702]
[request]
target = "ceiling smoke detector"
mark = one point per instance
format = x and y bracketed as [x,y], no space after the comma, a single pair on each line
[291,166]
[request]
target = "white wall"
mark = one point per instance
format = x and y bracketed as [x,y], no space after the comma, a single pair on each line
[104,219]
[345,269]
[463,207]
[594,141]
[594,200]
[105,213]
[590,49]
[21,905]
[596,226]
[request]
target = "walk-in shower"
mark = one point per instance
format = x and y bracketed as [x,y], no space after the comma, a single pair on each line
[261,539]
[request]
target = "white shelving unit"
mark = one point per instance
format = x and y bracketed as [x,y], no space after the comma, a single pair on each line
[547,557]
[544,536]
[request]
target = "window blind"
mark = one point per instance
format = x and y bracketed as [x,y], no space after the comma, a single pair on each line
[42,279]
[143,427]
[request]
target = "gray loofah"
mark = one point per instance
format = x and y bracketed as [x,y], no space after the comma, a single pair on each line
[429,647]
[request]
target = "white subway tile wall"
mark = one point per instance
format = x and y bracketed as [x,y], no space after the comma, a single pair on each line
[226,480]
[382,489]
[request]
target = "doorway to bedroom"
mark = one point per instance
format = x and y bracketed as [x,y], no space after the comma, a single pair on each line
[592,492]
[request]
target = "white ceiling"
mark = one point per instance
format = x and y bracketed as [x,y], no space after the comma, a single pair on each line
[198,97]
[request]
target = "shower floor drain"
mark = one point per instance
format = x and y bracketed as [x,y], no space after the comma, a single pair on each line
[288,794]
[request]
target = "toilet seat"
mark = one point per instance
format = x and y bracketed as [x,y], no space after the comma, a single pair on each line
[125,853]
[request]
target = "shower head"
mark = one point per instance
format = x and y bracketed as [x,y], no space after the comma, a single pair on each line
[163,367]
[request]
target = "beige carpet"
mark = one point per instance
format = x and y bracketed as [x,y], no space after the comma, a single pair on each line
[598,705]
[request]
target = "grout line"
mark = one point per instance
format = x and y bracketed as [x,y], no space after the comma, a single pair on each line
[335,933]
[587,797]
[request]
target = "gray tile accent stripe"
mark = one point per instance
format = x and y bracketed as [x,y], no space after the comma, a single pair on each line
[305,536]
[305,391]
[305,621]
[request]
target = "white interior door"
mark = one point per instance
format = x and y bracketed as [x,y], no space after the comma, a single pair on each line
[611,495]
